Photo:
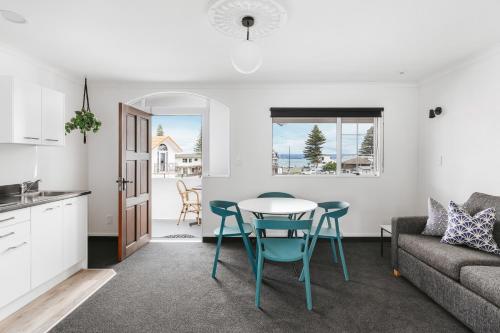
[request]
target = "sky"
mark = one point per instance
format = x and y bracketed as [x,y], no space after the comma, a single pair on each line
[183,129]
[294,135]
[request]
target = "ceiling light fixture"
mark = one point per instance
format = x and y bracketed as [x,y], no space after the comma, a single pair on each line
[12,17]
[235,18]
[247,56]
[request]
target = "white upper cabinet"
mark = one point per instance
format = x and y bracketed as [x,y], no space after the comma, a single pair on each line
[52,117]
[29,113]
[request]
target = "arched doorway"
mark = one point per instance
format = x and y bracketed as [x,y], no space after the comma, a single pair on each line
[179,165]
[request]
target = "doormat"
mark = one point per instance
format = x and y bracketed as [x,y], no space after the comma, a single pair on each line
[179,236]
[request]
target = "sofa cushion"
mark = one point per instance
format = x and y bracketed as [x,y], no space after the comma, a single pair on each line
[447,259]
[480,201]
[473,231]
[483,280]
[438,219]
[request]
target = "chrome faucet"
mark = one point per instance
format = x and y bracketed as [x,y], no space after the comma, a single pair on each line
[26,186]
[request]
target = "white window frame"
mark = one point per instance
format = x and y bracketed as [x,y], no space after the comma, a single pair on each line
[378,151]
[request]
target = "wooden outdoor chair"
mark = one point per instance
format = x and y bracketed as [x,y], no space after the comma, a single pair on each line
[190,203]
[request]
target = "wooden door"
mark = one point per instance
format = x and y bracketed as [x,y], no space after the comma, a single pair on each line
[134,182]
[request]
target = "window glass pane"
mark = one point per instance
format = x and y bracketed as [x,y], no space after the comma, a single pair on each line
[304,148]
[358,152]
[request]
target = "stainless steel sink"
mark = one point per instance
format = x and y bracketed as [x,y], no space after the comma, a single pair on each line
[43,194]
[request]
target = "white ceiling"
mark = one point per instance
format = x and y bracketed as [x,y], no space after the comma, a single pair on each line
[323,40]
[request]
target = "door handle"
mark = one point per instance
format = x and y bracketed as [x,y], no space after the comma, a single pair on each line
[7,219]
[31,138]
[7,235]
[122,183]
[53,140]
[14,247]
[50,208]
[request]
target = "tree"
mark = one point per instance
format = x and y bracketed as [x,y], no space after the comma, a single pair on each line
[159,130]
[367,144]
[198,145]
[330,166]
[314,146]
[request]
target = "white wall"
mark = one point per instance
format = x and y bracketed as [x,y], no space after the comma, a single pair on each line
[61,168]
[374,200]
[466,136]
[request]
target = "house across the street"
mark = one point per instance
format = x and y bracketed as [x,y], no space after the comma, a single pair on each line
[163,150]
[188,164]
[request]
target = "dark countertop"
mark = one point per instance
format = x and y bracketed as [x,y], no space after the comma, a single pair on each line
[14,202]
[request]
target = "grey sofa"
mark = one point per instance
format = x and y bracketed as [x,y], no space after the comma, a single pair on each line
[464,281]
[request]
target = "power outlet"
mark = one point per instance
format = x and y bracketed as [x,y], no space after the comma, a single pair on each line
[109,219]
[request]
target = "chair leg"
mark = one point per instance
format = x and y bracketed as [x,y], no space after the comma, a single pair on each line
[311,250]
[307,278]
[334,251]
[342,258]
[216,258]
[185,213]
[258,283]
[180,215]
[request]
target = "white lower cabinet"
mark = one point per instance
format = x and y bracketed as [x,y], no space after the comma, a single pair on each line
[37,246]
[46,242]
[14,261]
[74,230]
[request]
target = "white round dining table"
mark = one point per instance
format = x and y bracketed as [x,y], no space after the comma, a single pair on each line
[277,206]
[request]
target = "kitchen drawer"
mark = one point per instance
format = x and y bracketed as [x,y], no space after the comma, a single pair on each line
[14,216]
[14,272]
[14,234]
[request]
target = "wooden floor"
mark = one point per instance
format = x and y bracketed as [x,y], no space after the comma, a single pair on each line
[50,308]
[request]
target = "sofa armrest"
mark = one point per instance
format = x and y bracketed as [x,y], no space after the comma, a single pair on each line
[404,225]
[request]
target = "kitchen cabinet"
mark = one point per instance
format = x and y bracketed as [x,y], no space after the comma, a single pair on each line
[30,114]
[52,117]
[14,261]
[74,230]
[46,242]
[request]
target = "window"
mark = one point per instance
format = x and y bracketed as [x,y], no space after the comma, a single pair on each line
[334,146]
[184,160]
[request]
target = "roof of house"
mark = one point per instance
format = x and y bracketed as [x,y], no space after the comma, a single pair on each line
[159,139]
[358,161]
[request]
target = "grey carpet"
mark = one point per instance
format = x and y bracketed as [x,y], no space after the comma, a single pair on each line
[166,287]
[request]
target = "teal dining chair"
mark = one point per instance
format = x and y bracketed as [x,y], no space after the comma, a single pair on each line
[282,250]
[277,195]
[333,210]
[226,209]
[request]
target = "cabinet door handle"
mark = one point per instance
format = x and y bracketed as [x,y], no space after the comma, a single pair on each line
[7,219]
[53,140]
[31,138]
[7,235]
[69,204]
[50,208]
[14,247]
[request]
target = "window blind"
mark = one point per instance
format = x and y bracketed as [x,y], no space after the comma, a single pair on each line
[305,112]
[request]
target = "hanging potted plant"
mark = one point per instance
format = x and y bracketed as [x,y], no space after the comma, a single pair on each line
[84,120]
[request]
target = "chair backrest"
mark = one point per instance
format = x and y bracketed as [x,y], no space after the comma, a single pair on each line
[275,195]
[334,210]
[181,187]
[262,224]
[221,208]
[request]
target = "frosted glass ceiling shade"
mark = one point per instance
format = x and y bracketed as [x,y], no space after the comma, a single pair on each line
[246,57]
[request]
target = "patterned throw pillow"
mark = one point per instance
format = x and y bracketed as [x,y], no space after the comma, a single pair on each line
[437,220]
[476,231]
